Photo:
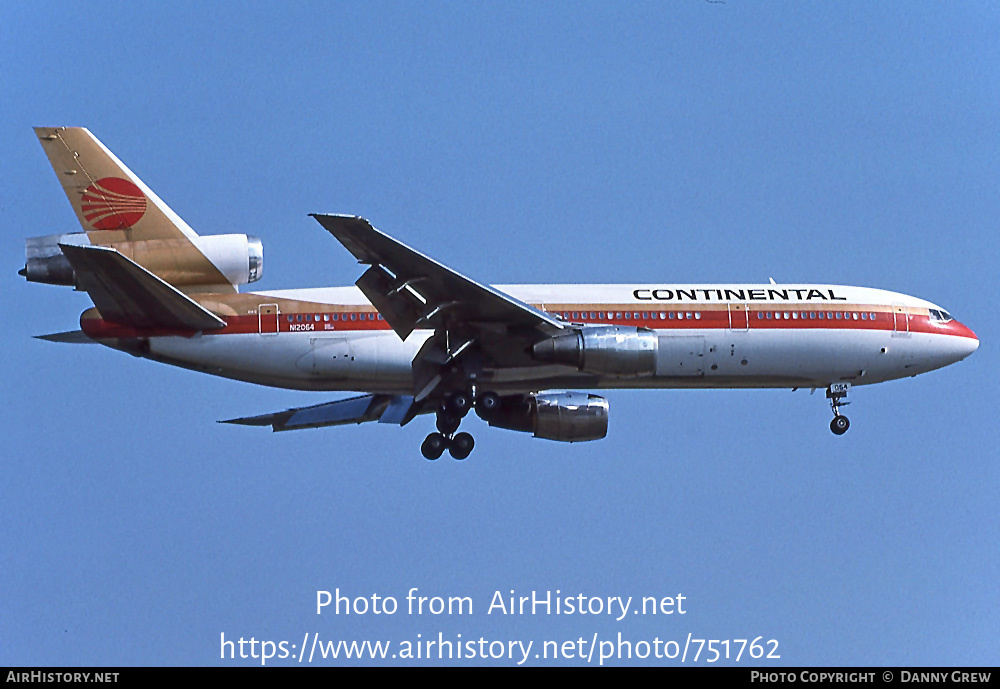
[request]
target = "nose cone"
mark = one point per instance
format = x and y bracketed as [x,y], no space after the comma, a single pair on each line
[970,341]
[960,343]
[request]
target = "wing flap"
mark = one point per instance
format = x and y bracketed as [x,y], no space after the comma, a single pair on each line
[125,292]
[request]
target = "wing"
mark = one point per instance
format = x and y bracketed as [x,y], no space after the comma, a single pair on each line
[397,409]
[490,328]
[414,291]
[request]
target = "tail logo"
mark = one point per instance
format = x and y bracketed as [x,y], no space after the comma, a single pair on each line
[113,203]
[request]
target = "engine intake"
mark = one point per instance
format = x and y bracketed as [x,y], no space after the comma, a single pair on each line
[605,349]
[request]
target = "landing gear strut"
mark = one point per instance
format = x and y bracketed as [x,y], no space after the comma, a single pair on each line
[836,394]
[449,417]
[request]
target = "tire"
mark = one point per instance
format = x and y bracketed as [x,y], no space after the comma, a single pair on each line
[839,425]
[461,446]
[433,446]
[447,424]
[458,404]
[487,405]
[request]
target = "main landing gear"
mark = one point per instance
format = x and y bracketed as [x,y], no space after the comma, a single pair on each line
[836,394]
[449,417]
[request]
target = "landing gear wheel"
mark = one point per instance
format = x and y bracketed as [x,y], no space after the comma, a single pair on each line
[459,404]
[487,404]
[836,393]
[839,425]
[447,424]
[461,445]
[434,445]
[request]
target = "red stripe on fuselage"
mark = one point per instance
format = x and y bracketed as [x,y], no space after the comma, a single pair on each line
[694,317]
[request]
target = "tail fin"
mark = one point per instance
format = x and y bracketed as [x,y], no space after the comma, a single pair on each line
[117,210]
[106,196]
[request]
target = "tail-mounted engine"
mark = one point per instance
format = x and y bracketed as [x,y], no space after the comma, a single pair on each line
[238,258]
[566,416]
[613,350]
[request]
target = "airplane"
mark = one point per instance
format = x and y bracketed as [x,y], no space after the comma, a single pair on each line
[416,338]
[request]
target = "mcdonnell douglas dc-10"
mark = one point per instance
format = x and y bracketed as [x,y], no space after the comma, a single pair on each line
[416,337]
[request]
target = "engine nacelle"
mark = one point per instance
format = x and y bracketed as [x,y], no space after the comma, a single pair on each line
[613,350]
[569,417]
[239,258]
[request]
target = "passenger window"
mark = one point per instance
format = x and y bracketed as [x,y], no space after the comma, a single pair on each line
[697,315]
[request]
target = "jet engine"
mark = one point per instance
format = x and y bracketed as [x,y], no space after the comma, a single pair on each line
[238,258]
[566,416]
[603,349]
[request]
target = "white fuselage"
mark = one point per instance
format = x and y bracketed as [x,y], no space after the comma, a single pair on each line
[708,335]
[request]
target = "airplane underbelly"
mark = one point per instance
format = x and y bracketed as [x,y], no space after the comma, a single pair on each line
[782,358]
[336,362]
[680,355]
[379,358]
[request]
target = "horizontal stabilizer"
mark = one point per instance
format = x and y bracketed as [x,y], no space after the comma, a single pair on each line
[68,337]
[342,412]
[125,292]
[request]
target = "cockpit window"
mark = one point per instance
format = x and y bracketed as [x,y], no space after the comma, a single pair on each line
[939,315]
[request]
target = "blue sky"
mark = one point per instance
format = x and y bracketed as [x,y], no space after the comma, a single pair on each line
[846,143]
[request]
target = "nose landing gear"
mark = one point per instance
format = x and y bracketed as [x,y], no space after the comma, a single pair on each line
[836,394]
